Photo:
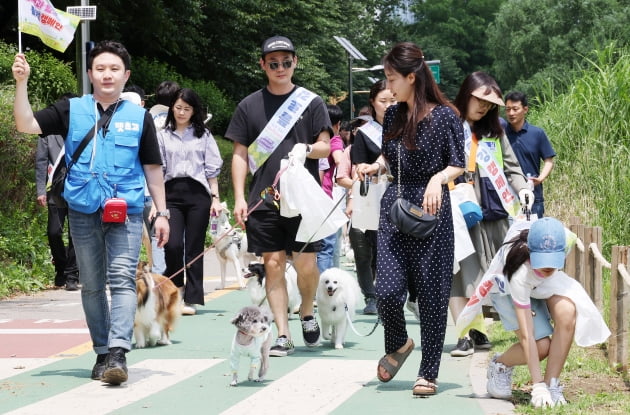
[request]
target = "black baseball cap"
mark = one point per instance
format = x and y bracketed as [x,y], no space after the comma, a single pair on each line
[277,43]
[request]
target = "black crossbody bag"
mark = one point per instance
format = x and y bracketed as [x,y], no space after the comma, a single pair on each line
[409,218]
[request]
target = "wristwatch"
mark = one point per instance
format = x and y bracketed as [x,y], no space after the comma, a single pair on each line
[166,213]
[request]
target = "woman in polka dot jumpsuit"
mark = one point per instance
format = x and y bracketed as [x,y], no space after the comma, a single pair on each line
[431,154]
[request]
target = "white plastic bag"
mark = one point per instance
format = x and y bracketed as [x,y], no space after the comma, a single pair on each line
[301,193]
[366,208]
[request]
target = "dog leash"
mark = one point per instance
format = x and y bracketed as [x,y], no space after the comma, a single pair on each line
[378,320]
[224,234]
[308,241]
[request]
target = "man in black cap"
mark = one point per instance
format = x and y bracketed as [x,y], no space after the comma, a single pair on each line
[267,125]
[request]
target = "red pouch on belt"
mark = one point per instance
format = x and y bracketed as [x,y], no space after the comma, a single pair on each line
[115,210]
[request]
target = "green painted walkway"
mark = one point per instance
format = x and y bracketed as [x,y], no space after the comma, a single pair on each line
[192,376]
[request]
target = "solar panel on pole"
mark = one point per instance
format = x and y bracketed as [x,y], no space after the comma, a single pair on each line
[353,53]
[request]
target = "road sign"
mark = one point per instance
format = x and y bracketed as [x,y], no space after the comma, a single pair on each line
[435,69]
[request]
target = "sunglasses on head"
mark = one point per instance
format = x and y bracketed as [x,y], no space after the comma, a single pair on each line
[275,65]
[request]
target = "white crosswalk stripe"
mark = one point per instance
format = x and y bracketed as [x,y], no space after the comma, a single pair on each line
[319,385]
[144,380]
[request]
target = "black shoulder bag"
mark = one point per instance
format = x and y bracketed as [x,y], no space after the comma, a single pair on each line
[409,218]
[61,171]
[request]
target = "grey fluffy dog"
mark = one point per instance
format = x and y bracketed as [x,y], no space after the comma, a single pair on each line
[253,340]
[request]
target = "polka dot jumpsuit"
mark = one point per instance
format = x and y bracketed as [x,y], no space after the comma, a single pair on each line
[404,261]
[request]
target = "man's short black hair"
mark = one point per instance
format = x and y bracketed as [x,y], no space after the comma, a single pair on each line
[165,92]
[136,89]
[335,113]
[516,96]
[112,47]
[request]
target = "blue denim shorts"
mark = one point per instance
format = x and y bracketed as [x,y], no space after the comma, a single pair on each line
[542,319]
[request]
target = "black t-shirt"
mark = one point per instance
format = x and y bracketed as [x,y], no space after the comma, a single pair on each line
[250,118]
[56,120]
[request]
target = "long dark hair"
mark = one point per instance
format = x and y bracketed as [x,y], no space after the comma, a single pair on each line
[406,58]
[376,88]
[191,98]
[489,125]
[518,254]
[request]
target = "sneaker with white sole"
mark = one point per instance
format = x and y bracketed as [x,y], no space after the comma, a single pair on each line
[282,347]
[188,309]
[499,380]
[555,389]
[310,331]
[463,348]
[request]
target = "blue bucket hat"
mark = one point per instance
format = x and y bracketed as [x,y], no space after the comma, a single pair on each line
[546,242]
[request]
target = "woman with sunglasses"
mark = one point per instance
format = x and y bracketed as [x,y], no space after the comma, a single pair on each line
[478,102]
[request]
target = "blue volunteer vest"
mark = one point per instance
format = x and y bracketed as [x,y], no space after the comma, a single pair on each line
[115,168]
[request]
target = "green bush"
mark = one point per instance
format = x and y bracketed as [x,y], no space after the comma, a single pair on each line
[24,253]
[149,73]
[50,78]
[589,128]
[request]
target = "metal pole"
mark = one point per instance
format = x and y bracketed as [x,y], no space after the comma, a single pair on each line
[350,86]
[85,36]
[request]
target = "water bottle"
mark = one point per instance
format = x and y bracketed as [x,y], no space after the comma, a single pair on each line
[530,181]
[214,222]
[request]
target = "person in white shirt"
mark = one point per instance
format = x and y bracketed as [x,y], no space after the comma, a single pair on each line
[535,292]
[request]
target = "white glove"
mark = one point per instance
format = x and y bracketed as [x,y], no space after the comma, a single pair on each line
[521,197]
[541,397]
[298,153]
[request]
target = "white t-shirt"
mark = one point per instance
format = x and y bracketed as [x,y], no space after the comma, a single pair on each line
[523,285]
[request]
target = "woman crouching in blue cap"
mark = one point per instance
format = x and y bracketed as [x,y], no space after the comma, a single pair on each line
[536,291]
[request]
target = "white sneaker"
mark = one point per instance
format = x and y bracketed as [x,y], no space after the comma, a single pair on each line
[555,389]
[188,309]
[499,379]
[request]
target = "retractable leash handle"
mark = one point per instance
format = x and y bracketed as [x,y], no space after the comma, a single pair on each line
[365,186]
[526,209]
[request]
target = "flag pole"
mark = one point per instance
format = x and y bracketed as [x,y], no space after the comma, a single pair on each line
[19,29]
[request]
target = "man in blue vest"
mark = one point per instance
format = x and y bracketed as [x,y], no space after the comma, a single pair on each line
[108,175]
[530,144]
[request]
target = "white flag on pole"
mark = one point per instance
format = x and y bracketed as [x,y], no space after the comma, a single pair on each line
[54,27]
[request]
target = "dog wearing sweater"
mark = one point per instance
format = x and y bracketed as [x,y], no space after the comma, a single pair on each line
[252,339]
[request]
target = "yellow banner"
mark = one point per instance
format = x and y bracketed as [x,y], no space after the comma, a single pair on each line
[54,27]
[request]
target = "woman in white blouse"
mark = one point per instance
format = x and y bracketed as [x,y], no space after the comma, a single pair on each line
[191,163]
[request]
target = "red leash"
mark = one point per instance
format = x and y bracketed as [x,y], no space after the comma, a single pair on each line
[276,197]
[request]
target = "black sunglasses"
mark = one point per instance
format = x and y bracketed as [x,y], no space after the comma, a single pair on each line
[275,65]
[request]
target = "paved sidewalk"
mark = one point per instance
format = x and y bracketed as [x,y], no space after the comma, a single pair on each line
[46,358]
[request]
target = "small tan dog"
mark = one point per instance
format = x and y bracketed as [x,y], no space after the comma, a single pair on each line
[158,308]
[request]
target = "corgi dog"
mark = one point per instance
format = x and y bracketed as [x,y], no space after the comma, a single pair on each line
[158,308]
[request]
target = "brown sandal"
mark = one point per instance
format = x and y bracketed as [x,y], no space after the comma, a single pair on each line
[424,387]
[399,357]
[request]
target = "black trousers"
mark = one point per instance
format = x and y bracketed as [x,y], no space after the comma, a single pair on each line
[189,204]
[364,246]
[63,256]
